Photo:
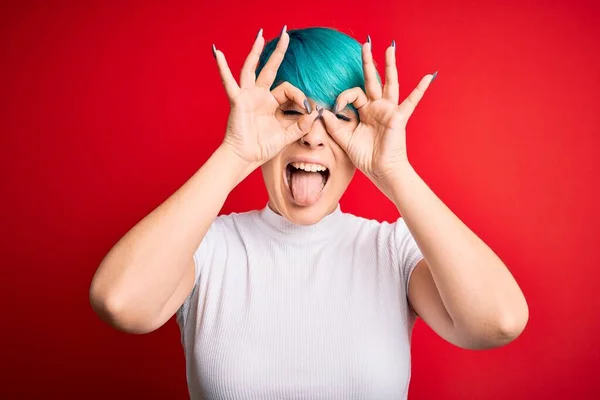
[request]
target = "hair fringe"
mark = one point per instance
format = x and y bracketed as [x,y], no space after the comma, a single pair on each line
[320,61]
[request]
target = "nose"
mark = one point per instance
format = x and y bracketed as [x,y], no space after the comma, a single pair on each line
[316,137]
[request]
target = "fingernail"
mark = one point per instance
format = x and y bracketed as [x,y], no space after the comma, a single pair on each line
[394,44]
[259,33]
[320,110]
[307,106]
[283,30]
[369,39]
[335,108]
[214,49]
[434,75]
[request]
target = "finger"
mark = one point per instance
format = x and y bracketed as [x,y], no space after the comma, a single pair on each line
[372,84]
[301,127]
[410,103]
[391,87]
[269,71]
[338,131]
[248,73]
[354,96]
[231,86]
[286,92]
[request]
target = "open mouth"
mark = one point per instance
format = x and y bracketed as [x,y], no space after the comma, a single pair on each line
[306,181]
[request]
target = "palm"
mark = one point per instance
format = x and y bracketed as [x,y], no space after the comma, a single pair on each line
[378,143]
[378,139]
[253,132]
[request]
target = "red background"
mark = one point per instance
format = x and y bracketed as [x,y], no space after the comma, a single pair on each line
[106,109]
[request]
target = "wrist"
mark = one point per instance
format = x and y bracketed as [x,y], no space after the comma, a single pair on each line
[236,168]
[400,182]
[398,176]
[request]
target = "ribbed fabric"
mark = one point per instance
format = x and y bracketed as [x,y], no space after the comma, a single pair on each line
[281,311]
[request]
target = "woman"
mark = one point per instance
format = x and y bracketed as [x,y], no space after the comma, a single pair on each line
[299,299]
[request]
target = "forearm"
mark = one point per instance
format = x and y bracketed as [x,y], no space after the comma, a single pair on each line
[478,291]
[142,271]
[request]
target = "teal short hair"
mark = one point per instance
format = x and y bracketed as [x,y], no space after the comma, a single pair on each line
[322,62]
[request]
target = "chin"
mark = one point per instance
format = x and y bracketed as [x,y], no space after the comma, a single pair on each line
[307,215]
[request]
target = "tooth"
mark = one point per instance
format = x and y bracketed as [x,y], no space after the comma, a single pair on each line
[308,166]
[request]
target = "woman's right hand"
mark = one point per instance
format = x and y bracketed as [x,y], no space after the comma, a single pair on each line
[253,131]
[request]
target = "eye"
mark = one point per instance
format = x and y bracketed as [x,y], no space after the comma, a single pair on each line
[291,112]
[294,112]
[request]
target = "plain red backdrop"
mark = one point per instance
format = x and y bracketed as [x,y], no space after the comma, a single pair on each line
[107,108]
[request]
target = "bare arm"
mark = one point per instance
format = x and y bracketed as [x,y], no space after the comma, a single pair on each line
[462,290]
[147,275]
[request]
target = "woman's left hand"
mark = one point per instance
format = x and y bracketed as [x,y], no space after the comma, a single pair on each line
[377,146]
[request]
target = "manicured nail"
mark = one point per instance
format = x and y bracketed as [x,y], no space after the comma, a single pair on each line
[283,30]
[369,39]
[307,106]
[335,108]
[320,110]
[394,44]
[214,51]
[434,75]
[259,33]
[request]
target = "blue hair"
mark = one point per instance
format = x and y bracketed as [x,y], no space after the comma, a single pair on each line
[322,62]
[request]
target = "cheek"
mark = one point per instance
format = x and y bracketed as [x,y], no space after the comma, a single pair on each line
[268,170]
[349,170]
[344,167]
[272,171]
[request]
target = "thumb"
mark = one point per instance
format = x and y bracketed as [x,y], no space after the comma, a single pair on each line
[336,129]
[301,127]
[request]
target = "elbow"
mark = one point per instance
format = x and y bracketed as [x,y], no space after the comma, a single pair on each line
[496,332]
[118,312]
[513,324]
[513,320]
[508,328]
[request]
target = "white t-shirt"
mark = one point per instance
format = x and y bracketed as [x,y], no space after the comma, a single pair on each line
[281,311]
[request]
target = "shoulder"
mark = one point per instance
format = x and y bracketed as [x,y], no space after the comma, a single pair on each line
[388,237]
[369,226]
[392,237]
[235,220]
[226,227]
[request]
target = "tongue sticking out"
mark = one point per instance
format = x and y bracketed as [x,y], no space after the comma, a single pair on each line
[306,187]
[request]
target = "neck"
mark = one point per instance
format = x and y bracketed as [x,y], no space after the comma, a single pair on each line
[281,227]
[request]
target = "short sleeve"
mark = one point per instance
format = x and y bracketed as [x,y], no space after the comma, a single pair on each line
[408,252]
[201,256]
